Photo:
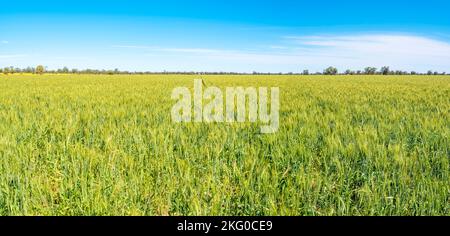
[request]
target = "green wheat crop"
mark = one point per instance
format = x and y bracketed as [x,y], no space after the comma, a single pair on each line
[106,145]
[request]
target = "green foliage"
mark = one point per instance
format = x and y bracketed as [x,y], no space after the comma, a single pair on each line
[349,72]
[370,70]
[105,145]
[40,69]
[330,71]
[385,70]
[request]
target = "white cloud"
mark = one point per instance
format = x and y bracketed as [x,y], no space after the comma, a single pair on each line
[277,47]
[399,51]
[380,44]
[402,52]
[10,56]
[175,50]
[4,42]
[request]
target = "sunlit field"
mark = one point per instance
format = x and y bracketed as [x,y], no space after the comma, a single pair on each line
[106,145]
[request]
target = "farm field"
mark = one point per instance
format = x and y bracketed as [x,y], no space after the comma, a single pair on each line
[106,145]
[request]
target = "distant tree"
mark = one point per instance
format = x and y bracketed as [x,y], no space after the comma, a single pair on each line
[349,72]
[28,70]
[399,72]
[306,72]
[358,72]
[370,70]
[74,71]
[330,71]
[435,73]
[413,73]
[6,70]
[40,69]
[1,70]
[385,70]
[65,70]
[429,72]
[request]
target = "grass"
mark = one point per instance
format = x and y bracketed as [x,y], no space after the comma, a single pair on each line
[105,145]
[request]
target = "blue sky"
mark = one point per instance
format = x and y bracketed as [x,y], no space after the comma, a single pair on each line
[242,36]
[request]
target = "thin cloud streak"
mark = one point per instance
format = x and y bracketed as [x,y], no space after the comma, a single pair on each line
[377,44]
[179,50]
[12,56]
[405,52]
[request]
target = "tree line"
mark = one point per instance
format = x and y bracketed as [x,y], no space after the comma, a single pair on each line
[385,70]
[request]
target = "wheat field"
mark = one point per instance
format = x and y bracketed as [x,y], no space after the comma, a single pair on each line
[105,145]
